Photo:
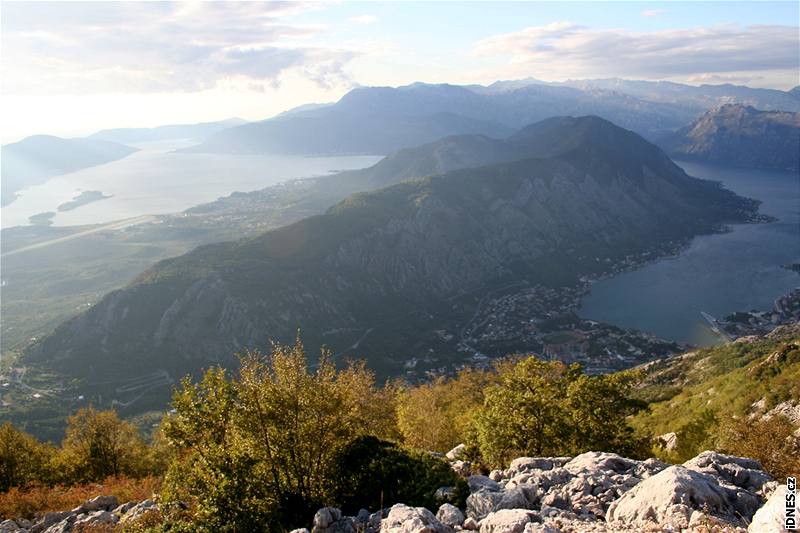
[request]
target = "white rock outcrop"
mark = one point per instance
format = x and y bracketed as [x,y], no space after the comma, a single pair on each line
[673,495]
[405,519]
[770,518]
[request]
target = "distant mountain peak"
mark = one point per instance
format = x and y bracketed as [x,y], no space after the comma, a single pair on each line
[740,135]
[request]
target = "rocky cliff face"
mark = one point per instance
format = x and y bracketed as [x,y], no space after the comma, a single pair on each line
[378,257]
[741,136]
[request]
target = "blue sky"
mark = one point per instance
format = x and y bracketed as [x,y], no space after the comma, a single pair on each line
[70,68]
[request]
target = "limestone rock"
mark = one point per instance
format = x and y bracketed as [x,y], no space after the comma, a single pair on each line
[508,521]
[405,519]
[770,517]
[450,515]
[99,503]
[139,509]
[456,452]
[482,482]
[737,471]
[671,496]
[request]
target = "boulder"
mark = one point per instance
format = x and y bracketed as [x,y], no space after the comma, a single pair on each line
[9,526]
[737,471]
[326,516]
[525,464]
[671,496]
[139,509]
[405,519]
[592,462]
[482,502]
[462,468]
[478,482]
[96,518]
[470,524]
[99,503]
[123,508]
[330,520]
[508,521]
[456,452]
[64,526]
[50,519]
[668,441]
[450,515]
[771,516]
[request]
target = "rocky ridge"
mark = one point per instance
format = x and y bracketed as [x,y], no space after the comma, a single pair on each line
[593,492]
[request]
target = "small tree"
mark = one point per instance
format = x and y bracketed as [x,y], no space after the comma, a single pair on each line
[599,407]
[524,414]
[438,415]
[549,408]
[258,448]
[97,445]
[23,459]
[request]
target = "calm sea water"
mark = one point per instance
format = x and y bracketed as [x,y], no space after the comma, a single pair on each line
[156,180]
[718,274]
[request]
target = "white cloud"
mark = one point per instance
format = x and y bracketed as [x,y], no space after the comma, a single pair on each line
[653,12]
[363,19]
[140,47]
[564,50]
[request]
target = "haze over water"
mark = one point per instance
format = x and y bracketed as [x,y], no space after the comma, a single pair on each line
[719,274]
[157,180]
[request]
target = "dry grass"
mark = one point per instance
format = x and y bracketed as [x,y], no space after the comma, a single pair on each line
[36,500]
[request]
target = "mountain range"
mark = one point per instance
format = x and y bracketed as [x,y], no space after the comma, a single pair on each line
[171,131]
[384,119]
[555,201]
[36,159]
[740,135]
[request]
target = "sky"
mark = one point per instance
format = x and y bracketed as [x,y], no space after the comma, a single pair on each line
[72,68]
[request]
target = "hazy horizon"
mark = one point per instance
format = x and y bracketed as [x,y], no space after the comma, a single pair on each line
[70,69]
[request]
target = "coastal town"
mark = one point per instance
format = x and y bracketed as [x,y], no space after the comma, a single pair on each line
[785,310]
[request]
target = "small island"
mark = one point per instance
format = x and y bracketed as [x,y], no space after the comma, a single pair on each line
[86,197]
[42,219]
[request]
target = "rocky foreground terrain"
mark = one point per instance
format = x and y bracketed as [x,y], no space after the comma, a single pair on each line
[593,492]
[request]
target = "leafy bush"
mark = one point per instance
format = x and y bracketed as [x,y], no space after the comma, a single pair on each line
[373,474]
[438,415]
[548,408]
[772,442]
[255,451]
[23,459]
[99,445]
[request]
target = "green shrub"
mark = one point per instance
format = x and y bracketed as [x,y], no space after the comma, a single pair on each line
[772,442]
[255,451]
[543,408]
[373,474]
[438,415]
[99,445]
[23,459]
